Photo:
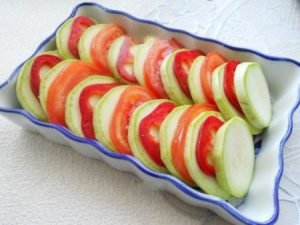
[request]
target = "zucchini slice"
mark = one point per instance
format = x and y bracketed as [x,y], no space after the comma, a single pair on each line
[207,183]
[140,58]
[85,42]
[103,114]
[116,51]
[253,94]
[62,38]
[47,80]
[73,114]
[228,111]
[25,95]
[166,134]
[233,157]
[194,81]
[24,92]
[65,32]
[135,142]
[170,81]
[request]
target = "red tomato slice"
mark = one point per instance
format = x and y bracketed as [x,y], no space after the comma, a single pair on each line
[175,44]
[101,44]
[131,98]
[125,60]
[61,87]
[159,50]
[211,62]
[229,84]
[86,108]
[205,142]
[182,64]
[154,120]
[178,141]
[46,60]
[79,25]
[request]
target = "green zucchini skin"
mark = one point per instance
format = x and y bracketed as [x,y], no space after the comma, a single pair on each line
[85,42]
[48,79]
[103,114]
[142,51]
[234,158]
[170,82]
[166,134]
[194,81]
[253,94]
[228,111]
[208,184]
[113,56]
[73,115]
[24,92]
[133,134]
[62,39]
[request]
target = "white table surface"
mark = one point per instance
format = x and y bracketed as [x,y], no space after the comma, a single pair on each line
[45,183]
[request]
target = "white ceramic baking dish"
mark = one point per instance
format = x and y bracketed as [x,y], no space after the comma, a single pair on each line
[261,205]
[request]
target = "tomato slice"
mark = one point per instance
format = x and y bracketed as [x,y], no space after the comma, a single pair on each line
[182,64]
[175,44]
[159,50]
[101,44]
[153,121]
[211,62]
[41,61]
[131,98]
[125,60]
[178,141]
[229,84]
[61,87]
[86,107]
[79,25]
[205,141]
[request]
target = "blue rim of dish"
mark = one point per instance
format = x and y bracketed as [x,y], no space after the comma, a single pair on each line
[166,177]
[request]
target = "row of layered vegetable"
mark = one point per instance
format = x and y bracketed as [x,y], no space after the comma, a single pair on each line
[177,110]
